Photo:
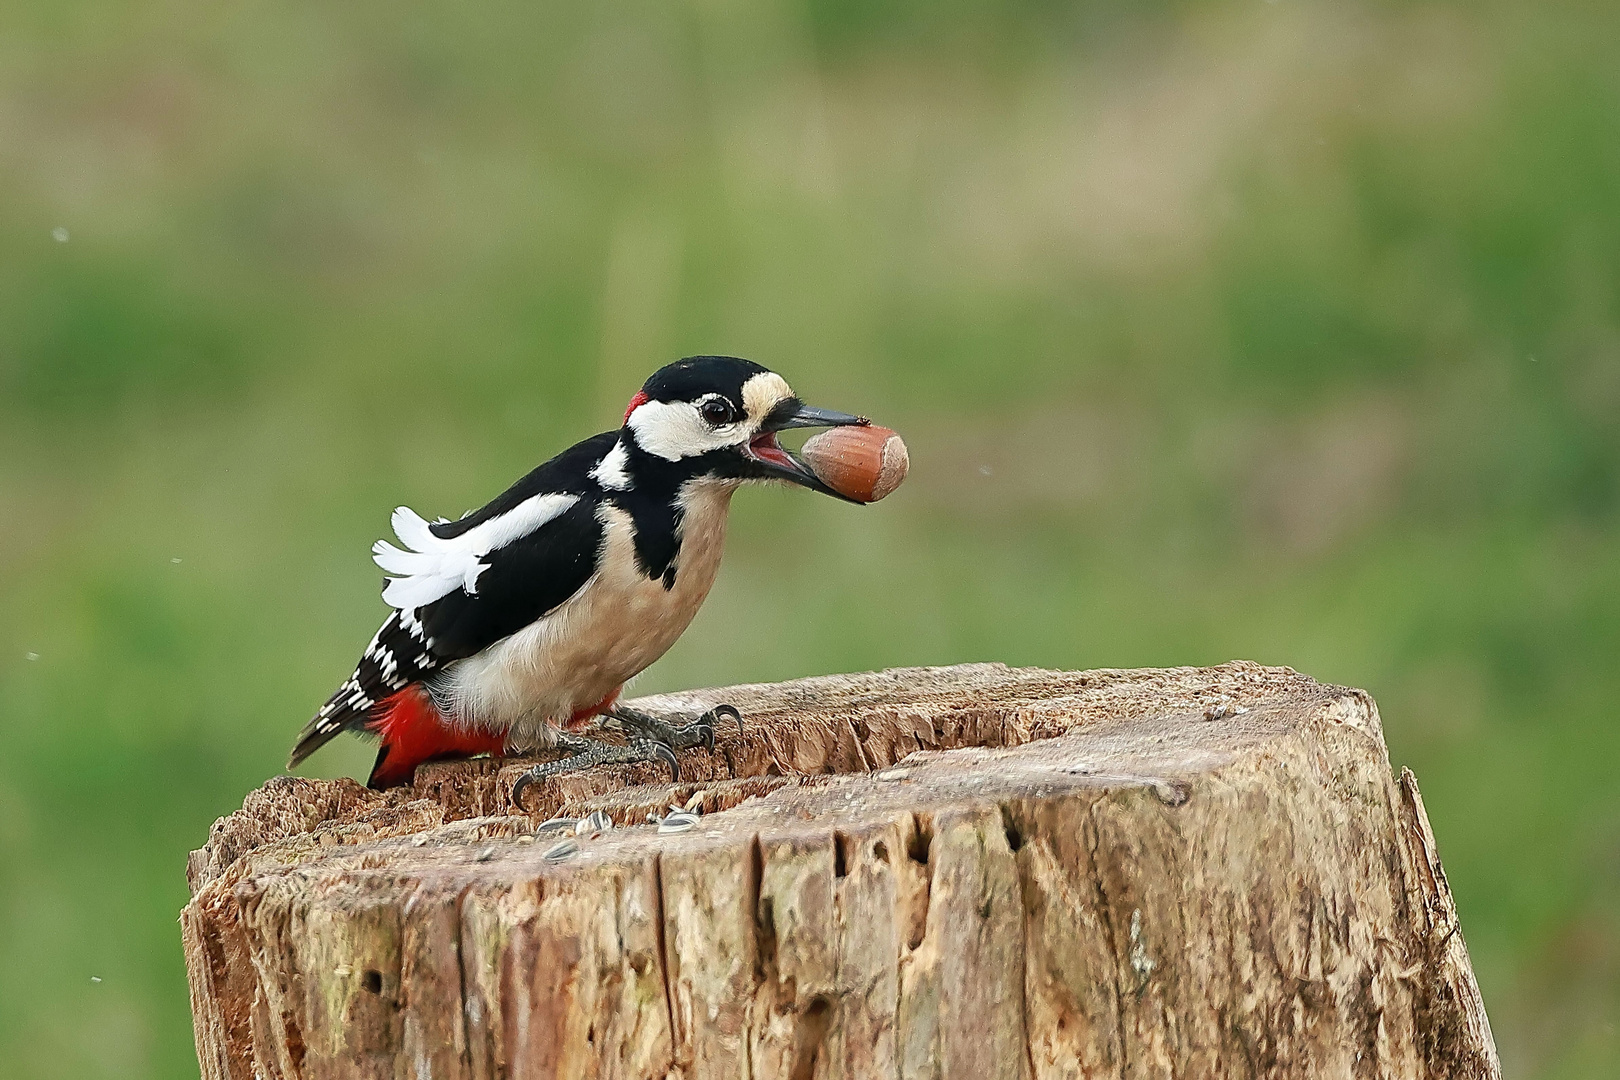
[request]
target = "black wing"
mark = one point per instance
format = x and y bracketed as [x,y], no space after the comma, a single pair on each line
[523,581]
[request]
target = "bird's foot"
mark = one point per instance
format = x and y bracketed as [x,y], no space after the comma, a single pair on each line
[648,738]
[683,735]
[584,753]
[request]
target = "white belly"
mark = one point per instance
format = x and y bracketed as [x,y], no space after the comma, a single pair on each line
[608,632]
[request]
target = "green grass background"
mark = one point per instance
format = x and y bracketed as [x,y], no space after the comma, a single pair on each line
[1287,331]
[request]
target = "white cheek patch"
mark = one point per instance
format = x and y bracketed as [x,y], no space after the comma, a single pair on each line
[673,430]
[762,393]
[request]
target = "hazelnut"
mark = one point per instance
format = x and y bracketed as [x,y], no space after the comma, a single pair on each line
[864,463]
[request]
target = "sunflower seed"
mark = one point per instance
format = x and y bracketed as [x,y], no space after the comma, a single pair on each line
[562,849]
[597,821]
[678,823]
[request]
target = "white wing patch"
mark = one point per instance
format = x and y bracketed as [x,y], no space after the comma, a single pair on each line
[431,567]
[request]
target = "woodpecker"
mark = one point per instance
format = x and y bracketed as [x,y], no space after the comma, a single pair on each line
[517,625]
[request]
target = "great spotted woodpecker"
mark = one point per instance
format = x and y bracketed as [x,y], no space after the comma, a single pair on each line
[517,625]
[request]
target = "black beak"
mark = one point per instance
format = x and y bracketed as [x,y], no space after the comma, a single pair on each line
[793,413]
[772,462]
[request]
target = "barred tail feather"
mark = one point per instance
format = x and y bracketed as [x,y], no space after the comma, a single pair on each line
[335,716]
[311,739]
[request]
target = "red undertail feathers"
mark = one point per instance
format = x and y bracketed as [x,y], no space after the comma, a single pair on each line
[412,732]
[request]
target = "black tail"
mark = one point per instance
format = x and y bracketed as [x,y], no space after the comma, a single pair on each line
[336,716]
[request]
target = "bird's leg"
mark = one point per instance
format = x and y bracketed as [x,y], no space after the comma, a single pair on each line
[584,753]
[682,735]
[647,738]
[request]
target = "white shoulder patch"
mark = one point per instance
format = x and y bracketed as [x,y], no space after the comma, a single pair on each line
[610,471]
[431,567]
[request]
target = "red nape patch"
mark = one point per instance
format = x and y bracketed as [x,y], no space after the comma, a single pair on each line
[412,731]
[635,403]
[582,717]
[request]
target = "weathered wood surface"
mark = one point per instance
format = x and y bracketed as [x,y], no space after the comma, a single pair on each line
[966,872]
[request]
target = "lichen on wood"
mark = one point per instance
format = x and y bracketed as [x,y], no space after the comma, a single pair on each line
[923,873]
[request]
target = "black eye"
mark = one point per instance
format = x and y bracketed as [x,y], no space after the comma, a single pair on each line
[716,411]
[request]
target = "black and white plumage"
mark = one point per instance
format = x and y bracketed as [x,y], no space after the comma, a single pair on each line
[527,616]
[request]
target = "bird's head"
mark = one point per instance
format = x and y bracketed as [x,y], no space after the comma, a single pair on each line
[719,415]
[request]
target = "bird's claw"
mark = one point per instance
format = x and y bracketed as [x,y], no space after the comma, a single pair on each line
[663,753]
[522,782]
[703,727]
[718,711]
[698,733]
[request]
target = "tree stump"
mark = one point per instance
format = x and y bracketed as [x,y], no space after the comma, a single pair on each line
[968,872]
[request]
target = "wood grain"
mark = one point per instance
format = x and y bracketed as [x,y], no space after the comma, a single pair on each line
[955,872]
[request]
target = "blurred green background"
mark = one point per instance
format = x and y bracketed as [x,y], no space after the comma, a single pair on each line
[1287,331]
